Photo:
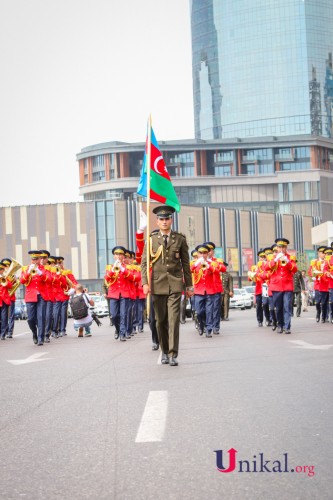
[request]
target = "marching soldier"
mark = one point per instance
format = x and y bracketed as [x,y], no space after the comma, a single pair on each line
[47,260]
[255,275]
[34,278]
[228,291]
[281,283]
[11,311]
[329,273]
[118,278]
[130,256]
[217,285]
[204,272]
[169,267]
[68,285]
[266,293]
[5,301]
[317,270]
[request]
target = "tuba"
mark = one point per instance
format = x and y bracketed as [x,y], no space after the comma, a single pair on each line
[10,274]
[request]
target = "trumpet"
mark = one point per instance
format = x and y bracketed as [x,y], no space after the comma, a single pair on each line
[34,270]
[283,262]
[204,265]
[116,266]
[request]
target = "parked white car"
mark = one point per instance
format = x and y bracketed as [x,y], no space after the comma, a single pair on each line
[250,289]
[100,307]
[248,298]
[240,300]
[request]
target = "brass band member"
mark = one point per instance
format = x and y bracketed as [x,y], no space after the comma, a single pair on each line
[5,286]
[16,283]
[281,284]
[34,277]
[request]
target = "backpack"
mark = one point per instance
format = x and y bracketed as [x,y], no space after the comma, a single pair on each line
[79,307]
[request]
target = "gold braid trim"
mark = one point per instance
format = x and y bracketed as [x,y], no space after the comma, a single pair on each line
[197,276]
[156,255]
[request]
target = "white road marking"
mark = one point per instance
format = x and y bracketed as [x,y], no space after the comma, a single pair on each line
[153,421]
[159,358]
[306,345]
[31,359]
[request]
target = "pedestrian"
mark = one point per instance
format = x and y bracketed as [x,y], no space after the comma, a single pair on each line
[299,289]
[170,265]
[80,302]
[228,292]
[305,294]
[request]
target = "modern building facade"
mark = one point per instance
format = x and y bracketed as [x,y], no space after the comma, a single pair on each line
[263,103]
[84,233]
[291,175]
[262,68]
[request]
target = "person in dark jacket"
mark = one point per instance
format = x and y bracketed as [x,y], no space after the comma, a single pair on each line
[299,289]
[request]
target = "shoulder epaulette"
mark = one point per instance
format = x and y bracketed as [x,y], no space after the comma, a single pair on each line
[24,268]
[181,234]
[66,271]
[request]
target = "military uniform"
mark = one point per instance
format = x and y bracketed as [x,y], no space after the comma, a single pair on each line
[228,288]
[170,265]
[5,302]
[34,278]
[205,271]
[282,269]
[318,270]
[329,272]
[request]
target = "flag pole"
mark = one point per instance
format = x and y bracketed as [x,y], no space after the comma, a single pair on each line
[148,211]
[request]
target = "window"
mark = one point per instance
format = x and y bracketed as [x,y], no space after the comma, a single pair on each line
[98,169]
[180,164]
[247,169]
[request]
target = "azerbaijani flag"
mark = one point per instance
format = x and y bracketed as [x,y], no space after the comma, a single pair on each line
[161,188]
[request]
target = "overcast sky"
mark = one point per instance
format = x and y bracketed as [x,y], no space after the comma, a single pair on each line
[80,72]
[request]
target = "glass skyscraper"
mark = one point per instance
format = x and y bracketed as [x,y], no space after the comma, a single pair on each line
[262,68]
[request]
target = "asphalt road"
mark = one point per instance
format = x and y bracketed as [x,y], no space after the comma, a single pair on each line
[94,418]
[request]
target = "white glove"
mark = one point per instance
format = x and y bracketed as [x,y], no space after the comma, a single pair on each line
[143,221]
[39,272]
[199,261]
[286,259]
[31,267]
[122,268]
[278,256]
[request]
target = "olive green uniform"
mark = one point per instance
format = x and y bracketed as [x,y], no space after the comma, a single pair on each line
[170,269]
